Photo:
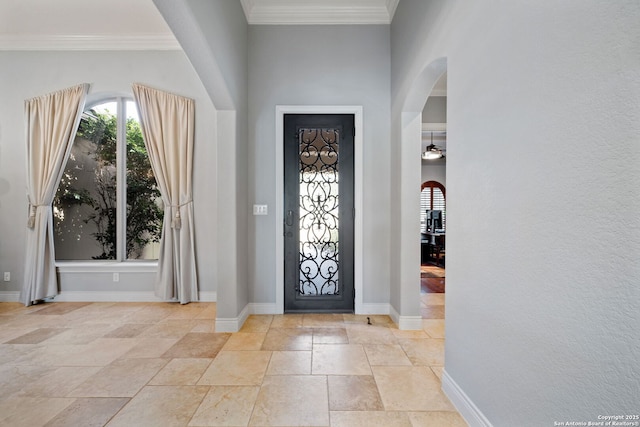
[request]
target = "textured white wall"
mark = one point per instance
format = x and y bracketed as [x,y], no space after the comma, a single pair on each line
[544,233]
[25,75]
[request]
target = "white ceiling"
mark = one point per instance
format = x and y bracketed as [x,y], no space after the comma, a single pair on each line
[137,24]
[83,24]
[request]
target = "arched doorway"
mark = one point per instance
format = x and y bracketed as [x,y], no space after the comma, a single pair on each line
[433,205]
[433,213]
[406,159]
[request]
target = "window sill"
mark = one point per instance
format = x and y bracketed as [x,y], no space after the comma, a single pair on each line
[107,266]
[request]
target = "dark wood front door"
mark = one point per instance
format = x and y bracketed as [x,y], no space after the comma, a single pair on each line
[318,212]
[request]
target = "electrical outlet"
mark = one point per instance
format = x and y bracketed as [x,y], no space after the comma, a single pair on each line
[116,277]
[7,276]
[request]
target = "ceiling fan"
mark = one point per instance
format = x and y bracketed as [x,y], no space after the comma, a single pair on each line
[432,151]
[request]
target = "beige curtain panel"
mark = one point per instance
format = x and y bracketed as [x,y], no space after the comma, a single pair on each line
[51,122]
[167,127]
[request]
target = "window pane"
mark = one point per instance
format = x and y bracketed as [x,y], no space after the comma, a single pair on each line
[425,204]
[439,205]
[319,257]
[432,197]
[144,206]
[85,203]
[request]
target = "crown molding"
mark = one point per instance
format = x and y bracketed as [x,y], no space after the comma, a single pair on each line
[247,7]
[290,12]
[434,127]
[438,92]
[88,42]
[392,5]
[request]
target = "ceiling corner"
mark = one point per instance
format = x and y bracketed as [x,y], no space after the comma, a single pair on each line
[392,5]
[247,6]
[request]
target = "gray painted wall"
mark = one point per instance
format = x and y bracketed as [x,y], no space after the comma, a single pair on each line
[435,110]
[434,173]
[25,75]
[319,65]
[224,27]
[542,319]
[214,36]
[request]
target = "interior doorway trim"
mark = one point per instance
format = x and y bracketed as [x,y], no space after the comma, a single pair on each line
[358,271]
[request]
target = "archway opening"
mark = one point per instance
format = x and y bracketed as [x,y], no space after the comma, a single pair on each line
[433,212]
[406,161]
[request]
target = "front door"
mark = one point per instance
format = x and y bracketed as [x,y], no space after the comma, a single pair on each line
[318,212]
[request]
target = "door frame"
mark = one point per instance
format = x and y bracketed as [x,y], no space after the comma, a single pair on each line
[358,188]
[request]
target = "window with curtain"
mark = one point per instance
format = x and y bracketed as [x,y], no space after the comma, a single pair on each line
[432,197]
[108,206]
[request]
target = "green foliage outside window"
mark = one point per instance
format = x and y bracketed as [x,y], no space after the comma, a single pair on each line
[144,217]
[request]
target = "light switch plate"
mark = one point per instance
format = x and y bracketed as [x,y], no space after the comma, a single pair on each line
[260,210]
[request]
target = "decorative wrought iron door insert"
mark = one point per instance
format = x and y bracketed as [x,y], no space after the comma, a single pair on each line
[318,212]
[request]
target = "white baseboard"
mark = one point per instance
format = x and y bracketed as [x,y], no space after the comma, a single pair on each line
[222,325]
[97,296]
[264,308]
[232,324]
[100,296]
[375,308]
[9,296]
[469,411]
[208,296]
[410,323]
[395,316]
[405,323]
[272,308]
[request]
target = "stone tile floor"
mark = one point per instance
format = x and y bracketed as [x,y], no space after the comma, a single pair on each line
[161,364]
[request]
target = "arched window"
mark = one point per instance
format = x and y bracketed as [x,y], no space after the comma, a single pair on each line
[107,203]
[432,197]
